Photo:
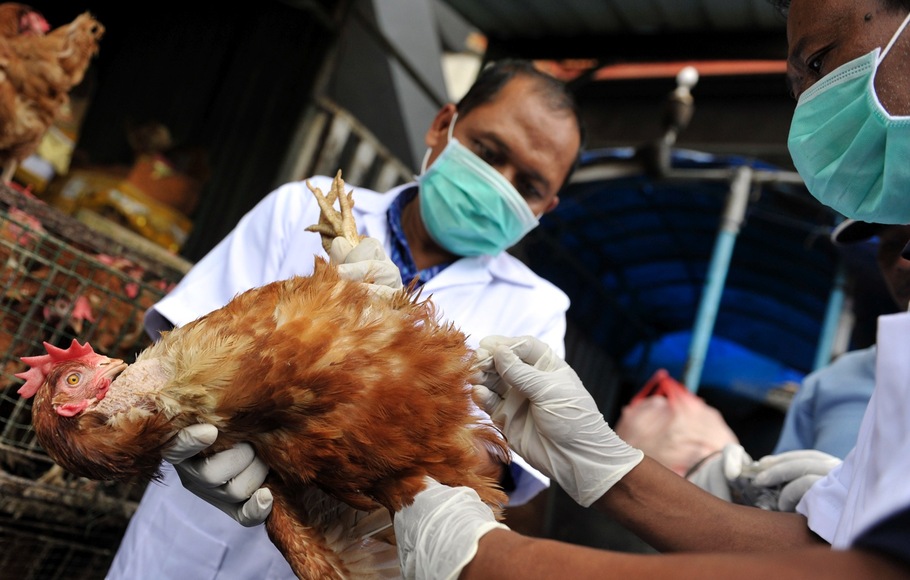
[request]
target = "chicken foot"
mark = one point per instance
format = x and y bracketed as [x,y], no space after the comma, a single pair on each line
[335,222]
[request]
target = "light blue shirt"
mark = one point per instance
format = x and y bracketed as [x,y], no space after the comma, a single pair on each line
[827,410]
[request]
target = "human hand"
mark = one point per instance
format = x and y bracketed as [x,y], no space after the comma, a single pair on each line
[366,262]
[715,472]
[437,535]
[796,471]
[549,417]
[230,480]
[774,482]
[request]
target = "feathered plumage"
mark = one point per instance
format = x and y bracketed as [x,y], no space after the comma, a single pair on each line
[37,72]
[350,397]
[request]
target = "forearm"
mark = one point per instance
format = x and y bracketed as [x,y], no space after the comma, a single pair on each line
[505,555]
[672,514]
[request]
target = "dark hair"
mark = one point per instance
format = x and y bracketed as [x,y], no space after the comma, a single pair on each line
[497,74]
[784,5]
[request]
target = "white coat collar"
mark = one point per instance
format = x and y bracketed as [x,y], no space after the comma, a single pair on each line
[371,202]
[372,208]
[473,270]
[483,270]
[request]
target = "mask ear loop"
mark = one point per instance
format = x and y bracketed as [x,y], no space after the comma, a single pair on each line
[894,38]
[455,116]
[426,156]
[426,159]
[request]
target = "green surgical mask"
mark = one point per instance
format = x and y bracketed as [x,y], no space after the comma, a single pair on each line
[852,154]
[468,207]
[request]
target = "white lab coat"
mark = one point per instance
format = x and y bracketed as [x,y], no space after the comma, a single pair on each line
[174,534]
[871,483]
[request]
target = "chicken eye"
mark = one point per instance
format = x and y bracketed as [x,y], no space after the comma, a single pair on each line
[73,379]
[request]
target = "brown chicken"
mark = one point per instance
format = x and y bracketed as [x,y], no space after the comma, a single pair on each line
[349,396]
[17,19]
[37,73]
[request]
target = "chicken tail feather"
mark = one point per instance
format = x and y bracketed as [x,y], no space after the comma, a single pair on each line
[329,539]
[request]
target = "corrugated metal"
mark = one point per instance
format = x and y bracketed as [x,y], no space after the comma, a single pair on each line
[627,29]
[545,18]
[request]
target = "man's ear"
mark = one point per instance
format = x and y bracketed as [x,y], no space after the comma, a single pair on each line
[552,205]
[438,132]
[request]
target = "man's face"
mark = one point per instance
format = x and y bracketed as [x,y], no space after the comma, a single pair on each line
[895,269]
[824,34]
[519,135]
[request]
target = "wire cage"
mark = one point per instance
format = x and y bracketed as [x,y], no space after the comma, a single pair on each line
[62,281]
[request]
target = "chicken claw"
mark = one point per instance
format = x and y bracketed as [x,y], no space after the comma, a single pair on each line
[333,222]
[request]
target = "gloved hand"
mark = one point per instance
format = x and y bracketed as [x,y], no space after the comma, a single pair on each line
[366,262]
[437,535]
[774,482]
[796,471]
[230,480]
[549,418]
[715,472]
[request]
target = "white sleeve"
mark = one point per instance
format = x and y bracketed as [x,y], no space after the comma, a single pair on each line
[870,485]
[823,503]
[253,254]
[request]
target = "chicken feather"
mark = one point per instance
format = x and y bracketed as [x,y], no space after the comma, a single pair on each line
[37,71]
[350,397]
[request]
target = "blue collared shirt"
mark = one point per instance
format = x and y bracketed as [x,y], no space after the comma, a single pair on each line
[401,251]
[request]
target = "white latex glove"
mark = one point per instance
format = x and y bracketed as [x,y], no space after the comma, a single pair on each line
[437,535]
[549,418]
[796,471]
[715,472]
[366,262]
[230,480]
[774,482]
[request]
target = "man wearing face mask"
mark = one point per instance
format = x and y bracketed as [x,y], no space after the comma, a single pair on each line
[494,164]
[854,523]
[849,139]
[850,136]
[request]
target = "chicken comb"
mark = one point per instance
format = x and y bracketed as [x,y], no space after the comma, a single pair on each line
[43,363]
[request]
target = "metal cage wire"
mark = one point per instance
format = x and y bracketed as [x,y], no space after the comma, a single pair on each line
[62,281]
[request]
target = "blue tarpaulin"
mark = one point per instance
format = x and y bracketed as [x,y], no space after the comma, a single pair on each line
[633,249]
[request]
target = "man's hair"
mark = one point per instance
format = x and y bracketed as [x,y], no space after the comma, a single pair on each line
[497,74]
[784,5]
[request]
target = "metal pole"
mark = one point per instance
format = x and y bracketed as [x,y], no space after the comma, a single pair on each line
[734,212]
[832,318]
